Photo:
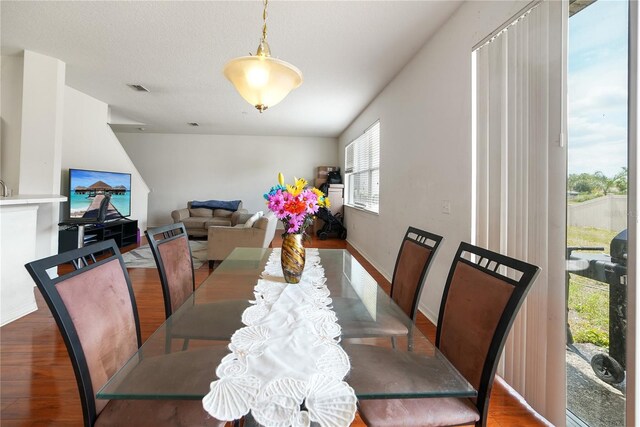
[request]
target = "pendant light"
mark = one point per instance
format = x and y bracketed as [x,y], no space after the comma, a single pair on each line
[261,80]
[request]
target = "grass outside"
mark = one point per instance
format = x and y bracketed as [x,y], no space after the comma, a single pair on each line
[589,299]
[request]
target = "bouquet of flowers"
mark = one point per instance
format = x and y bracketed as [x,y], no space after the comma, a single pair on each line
[296,205]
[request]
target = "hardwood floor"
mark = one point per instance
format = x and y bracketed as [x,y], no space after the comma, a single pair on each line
[38,387]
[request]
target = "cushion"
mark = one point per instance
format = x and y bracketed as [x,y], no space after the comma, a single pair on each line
[201,212]
[222,213]
[445,411]
[256,216]
[195,222]
[231,205]
[218,222]
[174,413]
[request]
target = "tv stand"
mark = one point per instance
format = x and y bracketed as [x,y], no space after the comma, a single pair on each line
[123,231]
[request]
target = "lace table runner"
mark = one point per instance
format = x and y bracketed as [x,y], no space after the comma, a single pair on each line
[286,356]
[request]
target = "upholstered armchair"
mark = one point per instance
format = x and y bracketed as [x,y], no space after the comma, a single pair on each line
[223,240]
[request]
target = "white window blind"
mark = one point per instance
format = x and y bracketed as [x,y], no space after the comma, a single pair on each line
[362,170]
[520,192]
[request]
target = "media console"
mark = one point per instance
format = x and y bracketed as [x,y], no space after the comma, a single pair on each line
[123,231]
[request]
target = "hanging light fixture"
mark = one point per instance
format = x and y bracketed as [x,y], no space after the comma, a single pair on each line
[261,80]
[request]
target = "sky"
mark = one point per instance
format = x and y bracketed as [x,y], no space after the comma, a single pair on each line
[597,88]
[86,178]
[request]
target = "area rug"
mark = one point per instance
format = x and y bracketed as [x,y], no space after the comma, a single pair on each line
[143,258]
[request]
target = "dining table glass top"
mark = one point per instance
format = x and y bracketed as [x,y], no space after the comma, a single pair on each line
[176,362]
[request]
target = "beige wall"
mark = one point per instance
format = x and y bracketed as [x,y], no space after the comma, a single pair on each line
[89,143]
[425,131]
[183,167]
[11,119]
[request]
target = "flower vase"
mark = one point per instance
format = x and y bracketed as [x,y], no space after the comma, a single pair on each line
[292,257]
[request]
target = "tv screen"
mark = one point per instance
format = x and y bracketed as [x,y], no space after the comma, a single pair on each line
[87,190]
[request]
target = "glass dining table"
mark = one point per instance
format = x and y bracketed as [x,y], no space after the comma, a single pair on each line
[407,366]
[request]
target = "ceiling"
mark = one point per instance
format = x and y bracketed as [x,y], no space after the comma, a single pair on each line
[347,51]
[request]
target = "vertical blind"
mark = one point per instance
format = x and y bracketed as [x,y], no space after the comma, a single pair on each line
[362,170]
[520,191]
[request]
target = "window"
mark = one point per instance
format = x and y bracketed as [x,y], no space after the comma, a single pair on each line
[362,170]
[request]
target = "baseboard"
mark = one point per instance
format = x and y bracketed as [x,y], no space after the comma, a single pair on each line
[368,258]
[433,317]
[18,312]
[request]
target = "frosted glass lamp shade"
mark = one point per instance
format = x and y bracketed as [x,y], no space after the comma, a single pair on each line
[261,80]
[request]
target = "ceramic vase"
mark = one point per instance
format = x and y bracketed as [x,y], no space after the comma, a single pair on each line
[292,257]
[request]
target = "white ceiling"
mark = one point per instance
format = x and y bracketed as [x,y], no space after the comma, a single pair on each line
[347,51]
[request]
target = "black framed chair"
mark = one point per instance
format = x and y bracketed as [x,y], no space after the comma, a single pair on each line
[481,298]
[416,253]
[95,310]
[172,253]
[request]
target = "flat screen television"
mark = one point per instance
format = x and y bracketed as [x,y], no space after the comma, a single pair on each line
[88,189]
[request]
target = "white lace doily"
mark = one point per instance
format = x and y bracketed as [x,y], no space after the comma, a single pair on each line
[287,355]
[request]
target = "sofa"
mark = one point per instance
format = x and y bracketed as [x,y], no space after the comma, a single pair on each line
[223,240]
[198,220]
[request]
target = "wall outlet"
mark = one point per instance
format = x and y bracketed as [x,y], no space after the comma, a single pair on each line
[446,207]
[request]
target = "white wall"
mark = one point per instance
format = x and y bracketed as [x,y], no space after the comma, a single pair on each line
[89,143]
[180,167]
[608,212]
[11,119]
[425,142]
[41,141]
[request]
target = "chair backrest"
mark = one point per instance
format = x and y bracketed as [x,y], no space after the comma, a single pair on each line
[418,249]
[170,247]
[96,313]
[483,294]
[268,223]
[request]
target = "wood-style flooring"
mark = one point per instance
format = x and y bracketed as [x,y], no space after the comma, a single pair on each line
[38,387]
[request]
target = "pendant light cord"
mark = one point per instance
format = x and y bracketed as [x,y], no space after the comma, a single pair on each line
[264,20]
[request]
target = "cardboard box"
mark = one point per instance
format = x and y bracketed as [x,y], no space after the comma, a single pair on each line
[324,170]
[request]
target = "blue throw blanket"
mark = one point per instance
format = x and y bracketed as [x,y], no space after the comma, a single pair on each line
[230,205]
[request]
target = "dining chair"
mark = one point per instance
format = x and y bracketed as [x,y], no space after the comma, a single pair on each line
[481,298]
[211,321]
[95,310]
[416,253]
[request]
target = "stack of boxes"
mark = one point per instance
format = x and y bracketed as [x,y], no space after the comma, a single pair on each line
[335,193]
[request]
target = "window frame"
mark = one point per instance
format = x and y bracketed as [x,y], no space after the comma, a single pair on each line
[352,169]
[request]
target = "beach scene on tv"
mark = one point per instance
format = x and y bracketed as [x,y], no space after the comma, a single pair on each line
[91,189]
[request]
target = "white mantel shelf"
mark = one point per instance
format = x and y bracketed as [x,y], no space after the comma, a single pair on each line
[28,199]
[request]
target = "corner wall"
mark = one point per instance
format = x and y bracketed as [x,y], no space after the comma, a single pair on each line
[425,143]
[11,119]
[184,167]
[89,143]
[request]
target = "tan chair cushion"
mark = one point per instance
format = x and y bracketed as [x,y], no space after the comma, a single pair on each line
[426,412]
[155,413]
[100,307]
[471,314]
[201,212]
[355,320]
[218,222]
[203,321]
[407,278]
[222,213]
[195,222]
[176,258]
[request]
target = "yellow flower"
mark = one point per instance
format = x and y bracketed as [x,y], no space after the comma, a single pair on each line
[301,183]
[280,178]
[327,203]
[317,192]
[294,191]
